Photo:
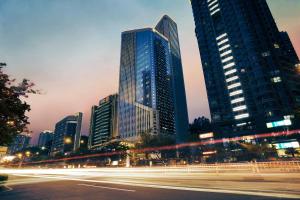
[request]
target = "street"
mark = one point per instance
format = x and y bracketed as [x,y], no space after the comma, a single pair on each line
[103,191]
[148,183]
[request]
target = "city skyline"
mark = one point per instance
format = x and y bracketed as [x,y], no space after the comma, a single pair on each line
[32,55]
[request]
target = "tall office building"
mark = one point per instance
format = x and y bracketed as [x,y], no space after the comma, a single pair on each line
[145,87]
[167,27]
[67,134]
[20,142]
[250,67]
[45,138]
[103,126]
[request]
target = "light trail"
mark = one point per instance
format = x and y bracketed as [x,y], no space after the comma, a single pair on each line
[169,147]
[179,179]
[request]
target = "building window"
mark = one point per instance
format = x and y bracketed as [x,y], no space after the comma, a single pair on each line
[276,79]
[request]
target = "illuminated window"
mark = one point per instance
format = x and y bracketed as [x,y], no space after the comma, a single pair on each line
[234,85]
[221,36]
[229,65]
[232,78]
[224,47]
[239,108]
[276,79]
[223,41]
[227,59]
[213,7]
[226,53]
[235,93]
[276,46]
[230,72]
[237,100]
[214,12]
[241,116]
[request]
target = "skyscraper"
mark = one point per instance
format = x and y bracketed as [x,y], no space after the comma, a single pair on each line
[146,101]
[44,138]
[19,143]
[103,126]
[67,134]
[167,27]
[250,68]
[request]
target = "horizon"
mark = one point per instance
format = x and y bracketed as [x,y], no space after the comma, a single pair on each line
[46,45]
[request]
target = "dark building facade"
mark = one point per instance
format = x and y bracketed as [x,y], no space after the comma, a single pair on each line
[45,138]
[250,67]
[146,101]
[103,125]
[20,142]
[167,27]
[67,135]
[84,141]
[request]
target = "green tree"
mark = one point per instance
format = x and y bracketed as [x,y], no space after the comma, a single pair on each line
[13,119]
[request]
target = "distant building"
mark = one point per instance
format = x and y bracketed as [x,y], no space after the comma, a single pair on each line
[67,134]
[103,125]
[167,27]
[251,69]
[146,103]
[20,142]
[45,138]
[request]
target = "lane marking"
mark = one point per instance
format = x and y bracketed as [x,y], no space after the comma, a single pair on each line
[103,187]
[226,191]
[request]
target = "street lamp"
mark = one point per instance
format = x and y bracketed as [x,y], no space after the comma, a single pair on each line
[27,153]
[68,140]
[20,155]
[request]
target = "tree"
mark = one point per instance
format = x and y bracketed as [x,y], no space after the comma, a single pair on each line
[200,125]
[156,140]
[260,151]
[13,119]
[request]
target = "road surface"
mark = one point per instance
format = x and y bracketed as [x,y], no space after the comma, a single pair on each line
[148,183]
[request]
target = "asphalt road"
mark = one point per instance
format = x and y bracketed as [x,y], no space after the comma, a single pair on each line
[102,191]
[157,183]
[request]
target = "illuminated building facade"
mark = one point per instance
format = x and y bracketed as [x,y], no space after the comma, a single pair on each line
[146,103]
[103,126]
[250,67]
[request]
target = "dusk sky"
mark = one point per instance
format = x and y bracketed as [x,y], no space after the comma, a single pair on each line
[71,49]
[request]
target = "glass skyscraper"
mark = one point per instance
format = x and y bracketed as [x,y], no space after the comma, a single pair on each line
[103,126]
[67,134]
[168,28]
[44,138]
[251,69]
[146,103]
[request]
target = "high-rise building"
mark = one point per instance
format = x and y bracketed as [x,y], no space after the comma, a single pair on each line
[20,142]
[167,27]
[45,138]
[66,137]
[146,103]
[250,68]
[103,126]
